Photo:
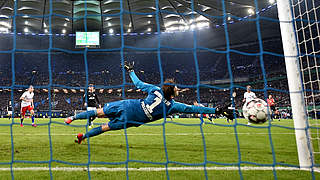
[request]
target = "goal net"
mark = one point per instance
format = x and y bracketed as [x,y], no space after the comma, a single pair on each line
[176,43]
[307,26]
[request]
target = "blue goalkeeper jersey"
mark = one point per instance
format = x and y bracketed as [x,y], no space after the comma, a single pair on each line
[155,106]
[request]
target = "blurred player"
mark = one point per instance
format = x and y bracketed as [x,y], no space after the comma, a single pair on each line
[27,105]
[248,96]
[91,103]
[135,112]
[277,114]
[9,110]
[272,105]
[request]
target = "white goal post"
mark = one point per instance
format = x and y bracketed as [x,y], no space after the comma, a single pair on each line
[299,113]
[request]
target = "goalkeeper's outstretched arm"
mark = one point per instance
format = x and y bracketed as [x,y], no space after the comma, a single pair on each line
[140,84]
[136,81]
[185,108]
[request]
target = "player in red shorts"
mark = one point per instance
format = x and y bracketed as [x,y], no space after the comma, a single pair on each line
[272,105]
[27,104]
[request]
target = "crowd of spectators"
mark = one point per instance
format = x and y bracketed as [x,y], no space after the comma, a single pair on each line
[67,76]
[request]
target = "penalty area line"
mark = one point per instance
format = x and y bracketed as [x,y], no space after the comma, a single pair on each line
[151,169]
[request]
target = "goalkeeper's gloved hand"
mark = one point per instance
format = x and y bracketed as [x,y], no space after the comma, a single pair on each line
[129,66]
[225,111]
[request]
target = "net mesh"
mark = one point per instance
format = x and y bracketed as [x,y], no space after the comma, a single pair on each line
[306,16]
[307,26]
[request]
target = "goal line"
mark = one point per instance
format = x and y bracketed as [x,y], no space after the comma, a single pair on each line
[154,169]
[146,134]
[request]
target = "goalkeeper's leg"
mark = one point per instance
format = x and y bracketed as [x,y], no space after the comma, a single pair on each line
[93,132]
[84,115]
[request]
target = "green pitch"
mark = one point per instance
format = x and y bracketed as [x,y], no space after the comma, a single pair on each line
[146,143]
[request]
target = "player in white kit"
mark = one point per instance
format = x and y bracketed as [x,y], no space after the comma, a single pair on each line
[27,105]
[247,97]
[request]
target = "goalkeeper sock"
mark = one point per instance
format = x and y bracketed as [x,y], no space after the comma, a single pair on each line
[32,118]
[85,115]
[21,120]
[93,132]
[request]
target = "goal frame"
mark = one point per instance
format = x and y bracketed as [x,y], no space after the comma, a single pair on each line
[295,83]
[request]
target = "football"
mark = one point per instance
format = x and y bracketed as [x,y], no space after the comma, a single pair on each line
[256,111]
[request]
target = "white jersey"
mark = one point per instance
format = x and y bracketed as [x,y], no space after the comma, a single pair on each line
[249,96]
[27,96]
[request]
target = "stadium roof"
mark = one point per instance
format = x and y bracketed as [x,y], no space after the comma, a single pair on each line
[138,15]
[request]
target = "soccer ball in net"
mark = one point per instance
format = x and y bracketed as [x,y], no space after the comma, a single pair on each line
[256,111]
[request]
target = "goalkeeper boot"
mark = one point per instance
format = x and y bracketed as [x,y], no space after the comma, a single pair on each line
[79,138]
[68,120]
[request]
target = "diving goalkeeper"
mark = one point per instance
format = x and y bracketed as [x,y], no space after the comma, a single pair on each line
[135,112]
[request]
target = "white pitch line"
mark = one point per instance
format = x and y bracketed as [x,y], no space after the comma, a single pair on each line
[143,134]
[150,169]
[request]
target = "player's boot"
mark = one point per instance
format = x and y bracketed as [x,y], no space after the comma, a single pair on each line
[68,120]
[79,138]
[21,122]
[34,125]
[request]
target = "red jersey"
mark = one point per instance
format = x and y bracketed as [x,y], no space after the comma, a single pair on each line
[270,102]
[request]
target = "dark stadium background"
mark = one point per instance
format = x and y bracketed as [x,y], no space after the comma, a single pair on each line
[141,31]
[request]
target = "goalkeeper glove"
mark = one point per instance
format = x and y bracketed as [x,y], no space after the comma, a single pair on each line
[128,66]
[225,111]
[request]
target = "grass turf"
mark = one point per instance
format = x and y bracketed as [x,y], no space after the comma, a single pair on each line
[184,147]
